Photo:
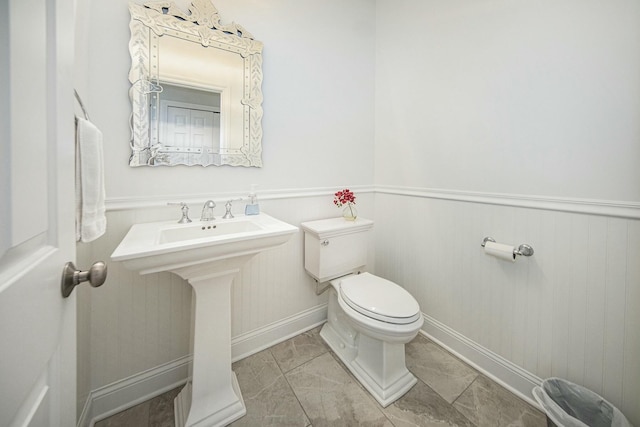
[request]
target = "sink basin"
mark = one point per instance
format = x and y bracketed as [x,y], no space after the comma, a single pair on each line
[208,254]
[166,245]
[203,230]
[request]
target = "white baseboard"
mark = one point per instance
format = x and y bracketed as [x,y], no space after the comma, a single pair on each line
[257,340]
[123,394]
[512,377]
[128,392]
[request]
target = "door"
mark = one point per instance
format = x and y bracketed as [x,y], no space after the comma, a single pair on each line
[37,325]
[189,128]
[178,127]
[202,129]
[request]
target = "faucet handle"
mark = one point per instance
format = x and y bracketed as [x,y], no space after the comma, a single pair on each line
[185,211]
[228,214]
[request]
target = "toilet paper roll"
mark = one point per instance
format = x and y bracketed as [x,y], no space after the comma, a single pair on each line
[500,250]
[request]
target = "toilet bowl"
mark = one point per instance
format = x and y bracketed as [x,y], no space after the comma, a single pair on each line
[369,319]
[379,307]
[368,333]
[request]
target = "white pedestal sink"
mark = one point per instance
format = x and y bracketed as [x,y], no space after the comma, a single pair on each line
[208,255]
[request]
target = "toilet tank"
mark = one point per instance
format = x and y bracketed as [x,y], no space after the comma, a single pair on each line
[335,247]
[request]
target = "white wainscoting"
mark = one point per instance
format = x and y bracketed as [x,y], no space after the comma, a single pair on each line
[141,324]
[571,310]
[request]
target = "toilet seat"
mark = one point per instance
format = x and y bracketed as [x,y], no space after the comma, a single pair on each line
[379,299]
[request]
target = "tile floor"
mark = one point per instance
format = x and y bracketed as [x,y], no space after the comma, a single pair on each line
[300,382]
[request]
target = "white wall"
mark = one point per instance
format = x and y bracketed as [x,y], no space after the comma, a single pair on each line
[536,98]
[520,121]
[318,99]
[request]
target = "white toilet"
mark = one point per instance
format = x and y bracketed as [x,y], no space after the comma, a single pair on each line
[369,318]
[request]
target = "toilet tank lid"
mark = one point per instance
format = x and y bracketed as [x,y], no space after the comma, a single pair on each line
[330,227]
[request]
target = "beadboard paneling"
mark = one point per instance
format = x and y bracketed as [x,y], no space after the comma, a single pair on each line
[137,323]
[571,310]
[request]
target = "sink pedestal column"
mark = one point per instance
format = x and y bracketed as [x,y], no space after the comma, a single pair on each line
[212,397]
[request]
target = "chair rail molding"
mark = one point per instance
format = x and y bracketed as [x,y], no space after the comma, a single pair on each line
[126,203]
[613,208]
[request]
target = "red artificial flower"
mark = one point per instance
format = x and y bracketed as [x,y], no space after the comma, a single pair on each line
[344,197]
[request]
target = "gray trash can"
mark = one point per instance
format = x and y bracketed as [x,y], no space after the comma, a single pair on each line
[570,405]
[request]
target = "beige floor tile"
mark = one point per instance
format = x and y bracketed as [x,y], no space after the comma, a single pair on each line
[137,416]
[316,388]
[266,393]
[439,369]
[299,349]
[161,412]
[488,404]
[330,397]
[422,406]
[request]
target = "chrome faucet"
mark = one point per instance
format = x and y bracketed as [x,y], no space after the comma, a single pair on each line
[207,211]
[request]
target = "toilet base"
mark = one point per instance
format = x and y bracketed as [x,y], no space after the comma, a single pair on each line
[378,365]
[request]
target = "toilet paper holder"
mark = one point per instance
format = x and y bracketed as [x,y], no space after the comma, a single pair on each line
[522,250]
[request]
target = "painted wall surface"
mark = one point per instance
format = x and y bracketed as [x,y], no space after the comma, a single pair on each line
[318,99]
[536,98]
[481,108]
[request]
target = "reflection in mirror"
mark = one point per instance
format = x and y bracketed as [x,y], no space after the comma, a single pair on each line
[195,88]
[189,126]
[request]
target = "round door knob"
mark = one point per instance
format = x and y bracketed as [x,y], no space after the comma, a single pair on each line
[96,276]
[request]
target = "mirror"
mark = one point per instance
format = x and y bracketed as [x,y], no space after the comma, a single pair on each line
[196,88]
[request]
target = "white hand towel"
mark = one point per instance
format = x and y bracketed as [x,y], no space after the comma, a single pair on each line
[91,221]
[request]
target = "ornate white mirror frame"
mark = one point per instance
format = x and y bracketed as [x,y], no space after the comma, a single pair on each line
[201,25]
